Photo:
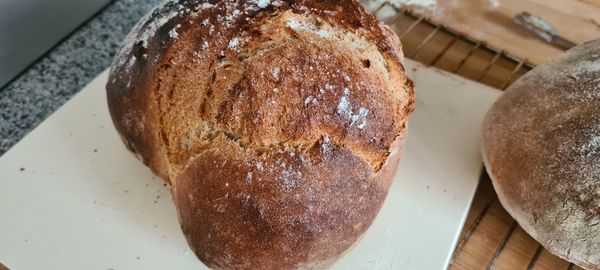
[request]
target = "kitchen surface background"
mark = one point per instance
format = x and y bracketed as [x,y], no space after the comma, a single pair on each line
[54,78]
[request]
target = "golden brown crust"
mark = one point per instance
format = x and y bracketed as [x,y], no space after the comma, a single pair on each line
[541,147]
[313,91]
[285,210]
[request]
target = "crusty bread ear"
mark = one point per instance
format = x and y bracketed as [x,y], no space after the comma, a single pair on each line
[541,146]
[278,124]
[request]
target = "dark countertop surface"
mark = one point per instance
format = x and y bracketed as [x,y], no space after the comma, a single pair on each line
[53,79]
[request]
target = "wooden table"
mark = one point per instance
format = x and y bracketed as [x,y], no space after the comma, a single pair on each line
[491,21]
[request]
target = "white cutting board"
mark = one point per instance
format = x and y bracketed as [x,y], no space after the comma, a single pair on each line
[72,197]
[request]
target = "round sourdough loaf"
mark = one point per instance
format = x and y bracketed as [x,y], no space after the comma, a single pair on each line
[277,124]
[541,147]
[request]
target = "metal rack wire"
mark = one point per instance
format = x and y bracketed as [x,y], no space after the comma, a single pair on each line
[411,27]
[440,46]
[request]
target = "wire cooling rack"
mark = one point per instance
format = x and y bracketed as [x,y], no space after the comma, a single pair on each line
[490,239]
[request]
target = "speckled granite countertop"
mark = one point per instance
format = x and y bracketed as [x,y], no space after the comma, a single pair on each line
[55,78]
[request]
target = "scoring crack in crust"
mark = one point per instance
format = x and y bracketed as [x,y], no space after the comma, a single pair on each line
[211,130]
[290,36]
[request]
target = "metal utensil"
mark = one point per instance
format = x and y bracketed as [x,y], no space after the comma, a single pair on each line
[542,29]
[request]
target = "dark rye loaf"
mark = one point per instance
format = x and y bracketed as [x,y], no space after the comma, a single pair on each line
[541,147]
[277,124]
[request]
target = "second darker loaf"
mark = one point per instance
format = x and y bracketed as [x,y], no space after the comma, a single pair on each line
[541,147]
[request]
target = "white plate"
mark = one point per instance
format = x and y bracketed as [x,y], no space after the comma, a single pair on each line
[72,197]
